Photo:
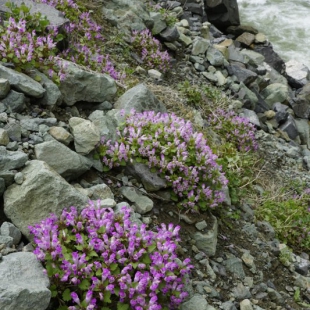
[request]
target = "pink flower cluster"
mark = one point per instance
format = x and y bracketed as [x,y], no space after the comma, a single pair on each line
[170,146]
[103,258]
[149,50]
[25,48]
[237,130]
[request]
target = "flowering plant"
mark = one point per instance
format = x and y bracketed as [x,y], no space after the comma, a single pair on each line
[99,259]
[169,145]
[148,49]
[235,129]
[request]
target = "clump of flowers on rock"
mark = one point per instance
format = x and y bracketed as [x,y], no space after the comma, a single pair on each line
[99,259]
[170,146]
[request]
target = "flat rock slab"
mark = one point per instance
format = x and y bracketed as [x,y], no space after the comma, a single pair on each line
[53,15]
[23,284]
[43,192]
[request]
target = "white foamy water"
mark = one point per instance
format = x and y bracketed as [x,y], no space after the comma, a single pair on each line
[285,22]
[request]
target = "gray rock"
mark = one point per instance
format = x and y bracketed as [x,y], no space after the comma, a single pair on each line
[143,204]
[246,93]
[200,46]
[8,229]
[275,92]
[4,88]
[159,22]
[52,95]
[43,192]
[14,130]
[297,73]
[170,34]
[246,38]
[105,124]
[215,57]
[22,82]
[302,266]
[228,305]
[4,137]
[33,124]
[255,59]
[19,178]
[251,116]
[23,284]
[6,240]
[100,191]
[54,16]
[67,163]
[210,76]
[267,229]
[241,292]
[234,265]
[85,85]
[7,176]
[127,15]
[139,98]
[10,160]
[290,127]
[234,54]
[185,40]
[206,242]
[246,305]
[14,102]
[197,302]
[61,135]
[303,129]
[302,109]
[150,180]
[201,225]
[275,296]
[243,75]
[86,135]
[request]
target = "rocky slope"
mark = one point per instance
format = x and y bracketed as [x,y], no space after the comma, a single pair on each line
[48,135]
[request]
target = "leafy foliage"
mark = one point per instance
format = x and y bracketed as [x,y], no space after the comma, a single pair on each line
[99,259]
[169,145]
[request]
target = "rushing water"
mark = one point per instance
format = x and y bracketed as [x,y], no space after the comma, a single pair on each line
[285,22]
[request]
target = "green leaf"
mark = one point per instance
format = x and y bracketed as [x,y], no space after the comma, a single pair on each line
[66,295]
[105,168]
[151,248]
[113,266]
[84,285]
[116,291]
[107,296]
[146,259]
[92,254]
[98,272]
[63,308]
[121,306]
[138,159]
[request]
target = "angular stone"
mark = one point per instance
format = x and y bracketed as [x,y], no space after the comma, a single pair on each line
[14,102]
[85,85]
[4,88]
[150,180]
[86,135]
[10,160]
[241,292]
[159,22]
[22,82]
[2,186]
[67,163]
[170,34]
[251,116]
[275,92]
[207,242]
[210,76]
[246,38]
[255,59]
[302,109]
[197,302]
[246,305]
[215,57]
[243,75]
[61,135]
[33,124]
[155,74]
[4,137]
[139,98]
[303,129]
[143,204]
[23,285]
[105,124]
[52,95]
[8,229]
[43,192]
[6,240]
[100,191]
[297,73]
[290,127]
[200,46]
[185,40]
[234,265]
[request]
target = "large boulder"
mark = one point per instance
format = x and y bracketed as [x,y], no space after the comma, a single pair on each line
[22,82]
[81,84]
[23,285]
[222,13]
[67,163]
[42,192]
[139,98]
